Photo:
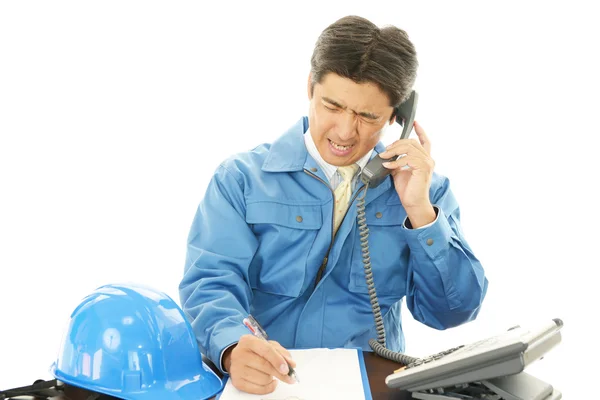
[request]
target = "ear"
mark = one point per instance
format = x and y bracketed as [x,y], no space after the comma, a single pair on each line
[309,86]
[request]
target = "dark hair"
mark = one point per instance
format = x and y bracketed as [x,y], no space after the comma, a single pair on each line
[355,48]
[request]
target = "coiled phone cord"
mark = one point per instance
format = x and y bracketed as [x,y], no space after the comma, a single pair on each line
[378,345]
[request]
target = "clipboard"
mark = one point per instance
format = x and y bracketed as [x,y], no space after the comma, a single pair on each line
[339,384]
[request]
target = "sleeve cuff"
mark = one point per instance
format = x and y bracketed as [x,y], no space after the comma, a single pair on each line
[223,341]
[221,365]
[408,225]
[431,239]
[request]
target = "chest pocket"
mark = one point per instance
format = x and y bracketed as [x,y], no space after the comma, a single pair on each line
[286,234]
[388,251]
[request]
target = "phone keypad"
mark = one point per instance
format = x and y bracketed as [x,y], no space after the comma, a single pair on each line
[433,357]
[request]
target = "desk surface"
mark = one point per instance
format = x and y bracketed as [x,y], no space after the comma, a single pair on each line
[377,369]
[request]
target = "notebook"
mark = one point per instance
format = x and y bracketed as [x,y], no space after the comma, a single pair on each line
[323,374]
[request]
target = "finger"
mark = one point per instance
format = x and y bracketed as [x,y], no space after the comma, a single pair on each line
[423,138]
[284,352]
[269,353]
[264,366]
[252,375]
[253,388]
[404,146]
[408,162]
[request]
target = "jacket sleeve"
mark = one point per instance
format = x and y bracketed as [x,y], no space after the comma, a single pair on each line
[214,291]
[446,282]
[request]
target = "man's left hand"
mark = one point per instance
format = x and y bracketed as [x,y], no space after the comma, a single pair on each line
[412,173]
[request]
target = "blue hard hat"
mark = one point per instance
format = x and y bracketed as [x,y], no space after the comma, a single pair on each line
[133,342]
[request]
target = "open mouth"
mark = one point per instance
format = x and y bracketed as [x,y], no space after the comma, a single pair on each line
[338,149]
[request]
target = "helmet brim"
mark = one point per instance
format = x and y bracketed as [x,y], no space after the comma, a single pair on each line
[202,387]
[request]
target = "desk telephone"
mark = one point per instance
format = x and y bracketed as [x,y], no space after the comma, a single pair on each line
[489,369]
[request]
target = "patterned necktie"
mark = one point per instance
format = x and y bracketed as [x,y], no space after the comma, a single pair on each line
[342,194]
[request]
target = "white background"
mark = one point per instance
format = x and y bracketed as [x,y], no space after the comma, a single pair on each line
[113,116]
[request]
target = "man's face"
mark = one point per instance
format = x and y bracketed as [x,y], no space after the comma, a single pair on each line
[346,118]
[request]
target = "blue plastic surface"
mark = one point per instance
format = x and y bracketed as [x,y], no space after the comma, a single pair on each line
[363,374]
[133,342]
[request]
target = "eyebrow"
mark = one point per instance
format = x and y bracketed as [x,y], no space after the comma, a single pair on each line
[363,113]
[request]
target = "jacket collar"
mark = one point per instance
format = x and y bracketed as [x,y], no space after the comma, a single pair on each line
[288,153]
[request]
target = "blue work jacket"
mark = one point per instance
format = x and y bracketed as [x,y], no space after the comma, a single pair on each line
[264,229]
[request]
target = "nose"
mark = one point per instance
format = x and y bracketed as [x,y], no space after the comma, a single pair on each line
[347,125]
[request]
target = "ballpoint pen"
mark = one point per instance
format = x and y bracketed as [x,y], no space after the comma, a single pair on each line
[258,331]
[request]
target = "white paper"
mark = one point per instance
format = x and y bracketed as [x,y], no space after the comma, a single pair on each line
[323,374]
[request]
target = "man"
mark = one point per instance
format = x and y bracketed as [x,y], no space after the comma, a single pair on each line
[267,237]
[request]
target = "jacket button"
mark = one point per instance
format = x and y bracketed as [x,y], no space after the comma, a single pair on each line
[379,215]
[429,242]
[313,169]
[299,218]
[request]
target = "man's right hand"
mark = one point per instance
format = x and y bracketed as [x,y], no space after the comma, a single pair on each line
[253,364]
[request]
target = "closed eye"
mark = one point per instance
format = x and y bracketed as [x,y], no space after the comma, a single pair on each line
[369,120]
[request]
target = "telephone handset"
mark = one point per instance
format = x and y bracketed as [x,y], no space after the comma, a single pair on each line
[374,172]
